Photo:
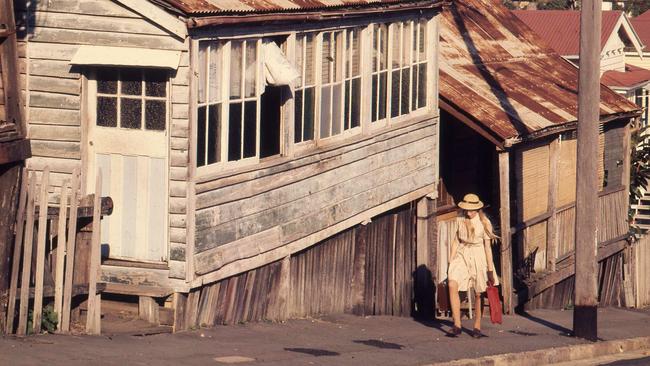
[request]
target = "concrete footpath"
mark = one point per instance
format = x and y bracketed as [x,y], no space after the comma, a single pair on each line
[542,336]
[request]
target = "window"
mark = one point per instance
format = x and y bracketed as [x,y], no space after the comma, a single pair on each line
[132,98]
[304,92]
[352,100]
[228,101]
[332,84]
[399,69]
[641,98]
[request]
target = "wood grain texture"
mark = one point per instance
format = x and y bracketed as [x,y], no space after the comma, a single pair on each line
[70,253]
[40,252]
[60,253]
[28,244]
[18,246]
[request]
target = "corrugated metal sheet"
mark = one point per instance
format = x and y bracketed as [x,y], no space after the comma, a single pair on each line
[561,28]
[632,76]
[204,7]
[497,71]
[642,28]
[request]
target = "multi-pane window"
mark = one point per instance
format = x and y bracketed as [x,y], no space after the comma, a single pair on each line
[399,78]
[132,98]
[243,105]
[641,98]
[209,102]
[379,71]
[239,117]
[304,92]
[228,112]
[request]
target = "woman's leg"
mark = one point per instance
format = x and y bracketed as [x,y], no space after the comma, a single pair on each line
[477,311]
[454,300]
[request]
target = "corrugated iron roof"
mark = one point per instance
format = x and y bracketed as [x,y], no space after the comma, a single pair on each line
[631,77]
[561,28]
[642,28]
[210,7]
[498,72]
[644,16]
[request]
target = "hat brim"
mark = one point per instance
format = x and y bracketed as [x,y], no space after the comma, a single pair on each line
[471,206]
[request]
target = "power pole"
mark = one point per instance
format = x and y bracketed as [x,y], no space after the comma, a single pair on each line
[586,280]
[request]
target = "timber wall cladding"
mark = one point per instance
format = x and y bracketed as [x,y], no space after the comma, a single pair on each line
[610,287]
[321,279]
[55,30]
[248,214]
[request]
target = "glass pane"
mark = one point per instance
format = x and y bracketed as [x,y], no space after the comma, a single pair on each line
[375,95]
[422,41]
[405,90]
[203,58]
[406,43]
[394,94]
[297,127]
[375,47]
[355,120]
[235,69]
[214,133]
[308,133]
[337,55]
[214,71]
[383,81]
[383,47]
[414,89]
[131,81]
[310,69]
[422,81]
[326,112]
[337,105]
[200,137]
[395,30]
[130,113]
[300,49]
[251,65]
[234,132]
[107,81]
[154,114]
[327,57]
[355,54]
[250,129]
[155,83]
[107,111]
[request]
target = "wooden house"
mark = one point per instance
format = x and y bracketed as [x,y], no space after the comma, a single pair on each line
[14,148]
[265,159]
[508,131]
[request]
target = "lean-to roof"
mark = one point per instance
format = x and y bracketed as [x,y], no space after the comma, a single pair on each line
[499,75]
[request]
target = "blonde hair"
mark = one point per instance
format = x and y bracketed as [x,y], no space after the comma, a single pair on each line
[487,225]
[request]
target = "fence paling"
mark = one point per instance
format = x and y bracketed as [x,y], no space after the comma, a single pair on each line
[61,287]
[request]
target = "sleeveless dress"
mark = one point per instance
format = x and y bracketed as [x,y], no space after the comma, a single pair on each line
[469,268]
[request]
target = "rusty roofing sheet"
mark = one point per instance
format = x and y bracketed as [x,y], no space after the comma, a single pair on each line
[497,71]
[633,76]
[205,7]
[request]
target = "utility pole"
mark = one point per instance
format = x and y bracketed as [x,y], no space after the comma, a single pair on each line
[586,281]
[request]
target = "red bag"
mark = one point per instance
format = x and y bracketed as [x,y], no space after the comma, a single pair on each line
[495,305]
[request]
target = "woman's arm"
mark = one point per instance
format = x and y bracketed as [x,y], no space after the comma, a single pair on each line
[487,245]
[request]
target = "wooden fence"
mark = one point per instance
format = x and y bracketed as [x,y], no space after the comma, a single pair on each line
[50,265]
[368,269]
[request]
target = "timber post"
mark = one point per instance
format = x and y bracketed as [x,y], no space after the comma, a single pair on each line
[586,267]
[552,227]
[506,239]
[424,288]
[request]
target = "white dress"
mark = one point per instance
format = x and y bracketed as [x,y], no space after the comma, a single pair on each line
[469,267]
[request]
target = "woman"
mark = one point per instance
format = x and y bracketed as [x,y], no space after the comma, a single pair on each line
[471,263]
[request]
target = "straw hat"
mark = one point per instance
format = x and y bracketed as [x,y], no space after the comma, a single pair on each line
[470,202]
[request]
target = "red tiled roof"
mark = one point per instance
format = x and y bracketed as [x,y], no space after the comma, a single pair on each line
[500,74]
[561,28]
[642,28]
[632,76]
[212,7]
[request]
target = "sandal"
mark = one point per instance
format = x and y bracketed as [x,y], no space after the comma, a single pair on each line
[454,332]
[476,333]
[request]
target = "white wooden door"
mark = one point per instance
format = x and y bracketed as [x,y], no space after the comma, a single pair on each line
[133,160]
